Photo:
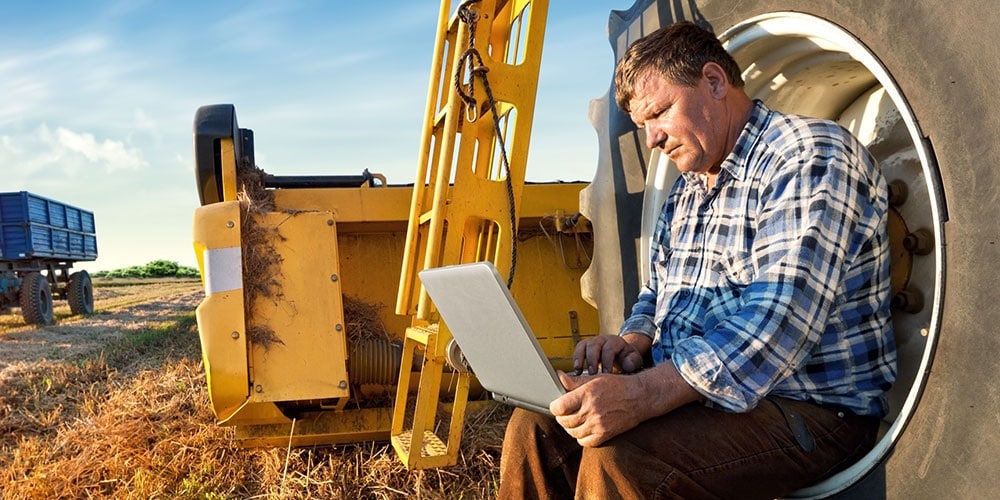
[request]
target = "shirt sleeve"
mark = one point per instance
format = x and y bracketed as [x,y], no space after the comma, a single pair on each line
[642,318]
[816,212]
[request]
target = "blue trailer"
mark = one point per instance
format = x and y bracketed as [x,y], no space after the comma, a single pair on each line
[40,240]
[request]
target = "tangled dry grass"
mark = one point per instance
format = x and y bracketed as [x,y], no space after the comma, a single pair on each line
[130,418]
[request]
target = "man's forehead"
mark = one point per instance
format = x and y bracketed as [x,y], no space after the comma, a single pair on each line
[649,88]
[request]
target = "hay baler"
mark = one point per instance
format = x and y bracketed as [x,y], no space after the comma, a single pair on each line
[287,260]
[282,258]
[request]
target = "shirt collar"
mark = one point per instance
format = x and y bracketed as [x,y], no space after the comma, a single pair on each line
[735,162]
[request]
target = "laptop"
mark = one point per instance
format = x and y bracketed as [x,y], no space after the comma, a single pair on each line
[497,342]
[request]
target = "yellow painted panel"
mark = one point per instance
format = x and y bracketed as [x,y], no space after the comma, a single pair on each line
[220,315]
[366,424]
[224,351]
[380,204]
[306,315]
[392,203]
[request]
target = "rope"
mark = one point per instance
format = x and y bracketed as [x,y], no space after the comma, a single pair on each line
[477,69]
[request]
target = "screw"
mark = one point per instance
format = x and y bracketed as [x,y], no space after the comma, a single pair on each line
[342,384]
[339,327]
[919,242]
[897,193]
[908,300]
[333,277]
[235,335]
[258,389]
[230,224]
[329,222]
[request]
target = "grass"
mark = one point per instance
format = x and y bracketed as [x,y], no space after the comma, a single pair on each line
[132,420]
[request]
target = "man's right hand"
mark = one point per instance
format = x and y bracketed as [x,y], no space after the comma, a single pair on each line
[609,353]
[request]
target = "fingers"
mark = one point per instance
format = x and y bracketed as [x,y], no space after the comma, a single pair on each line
[568,403]
[598,353]
[569,383]
[580,356]
[609,354]
[631,362]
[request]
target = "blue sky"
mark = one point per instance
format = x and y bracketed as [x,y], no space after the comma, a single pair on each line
[97,100]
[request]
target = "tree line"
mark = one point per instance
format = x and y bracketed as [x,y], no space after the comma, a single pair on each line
[155,269]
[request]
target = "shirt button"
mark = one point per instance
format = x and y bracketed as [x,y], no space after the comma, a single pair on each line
[745,276]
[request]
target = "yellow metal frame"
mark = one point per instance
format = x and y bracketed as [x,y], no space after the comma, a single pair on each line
[465,193]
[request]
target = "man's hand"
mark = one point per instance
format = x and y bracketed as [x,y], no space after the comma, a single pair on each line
[610,353]
[597,408]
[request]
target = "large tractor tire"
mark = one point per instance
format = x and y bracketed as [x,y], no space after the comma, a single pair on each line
[80,293]
[36,299]
[916,82]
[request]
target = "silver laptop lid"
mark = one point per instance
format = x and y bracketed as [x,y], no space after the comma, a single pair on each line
[493,335]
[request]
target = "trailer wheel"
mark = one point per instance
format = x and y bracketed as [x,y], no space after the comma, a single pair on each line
[36,299]
[80,293]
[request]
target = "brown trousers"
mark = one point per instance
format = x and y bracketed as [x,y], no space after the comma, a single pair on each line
[692,452]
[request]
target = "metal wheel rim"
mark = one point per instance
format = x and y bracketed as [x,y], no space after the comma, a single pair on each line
[804,42]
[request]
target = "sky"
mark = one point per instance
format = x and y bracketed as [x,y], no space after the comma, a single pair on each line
[97,100]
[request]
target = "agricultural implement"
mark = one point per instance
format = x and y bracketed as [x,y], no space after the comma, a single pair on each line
[287,262]
[40,240]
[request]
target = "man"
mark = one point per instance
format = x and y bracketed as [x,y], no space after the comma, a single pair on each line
[766,315]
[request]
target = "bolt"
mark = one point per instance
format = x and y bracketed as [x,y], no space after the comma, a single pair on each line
[235,335]
[908,300]
[259,389]
[230,224]
[333,277]
[897,193]
[919,242]
[338,327]
[342,384]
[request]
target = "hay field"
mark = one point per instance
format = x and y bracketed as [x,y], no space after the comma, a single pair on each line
[115,406]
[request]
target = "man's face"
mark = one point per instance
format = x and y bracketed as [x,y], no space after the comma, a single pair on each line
[685,123]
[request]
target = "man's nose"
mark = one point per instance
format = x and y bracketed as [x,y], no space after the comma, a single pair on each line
[655,136]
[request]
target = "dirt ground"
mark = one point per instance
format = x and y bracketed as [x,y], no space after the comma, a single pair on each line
[115,405]
[120,308]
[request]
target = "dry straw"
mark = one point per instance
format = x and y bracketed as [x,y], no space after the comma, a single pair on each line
[136,423]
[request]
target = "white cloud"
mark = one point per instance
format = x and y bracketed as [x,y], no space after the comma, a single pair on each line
[44,153]
[113,154]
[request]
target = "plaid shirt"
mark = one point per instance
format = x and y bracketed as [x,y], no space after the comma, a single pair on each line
[776,281]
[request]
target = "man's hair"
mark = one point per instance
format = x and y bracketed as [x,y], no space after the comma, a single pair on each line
[678,52]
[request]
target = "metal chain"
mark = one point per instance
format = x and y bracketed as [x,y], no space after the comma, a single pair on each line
[477,69]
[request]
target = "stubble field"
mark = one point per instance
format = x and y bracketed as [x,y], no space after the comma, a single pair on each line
[115,406]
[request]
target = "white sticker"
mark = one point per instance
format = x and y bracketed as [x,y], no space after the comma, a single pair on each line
[223,270]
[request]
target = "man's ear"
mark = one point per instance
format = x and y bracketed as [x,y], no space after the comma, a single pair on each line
[718,82]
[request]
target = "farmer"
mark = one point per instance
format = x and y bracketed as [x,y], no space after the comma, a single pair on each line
[756,359]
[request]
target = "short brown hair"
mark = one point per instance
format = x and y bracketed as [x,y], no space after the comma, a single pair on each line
[678,52]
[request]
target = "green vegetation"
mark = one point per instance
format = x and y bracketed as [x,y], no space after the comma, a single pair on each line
[155,269]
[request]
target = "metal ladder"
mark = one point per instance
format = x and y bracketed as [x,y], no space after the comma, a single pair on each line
[465,204]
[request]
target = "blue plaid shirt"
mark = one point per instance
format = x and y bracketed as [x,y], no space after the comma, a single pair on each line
[776,281]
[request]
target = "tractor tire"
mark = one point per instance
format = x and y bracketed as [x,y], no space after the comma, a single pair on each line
[938,64]
[36,299]
[80,293]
